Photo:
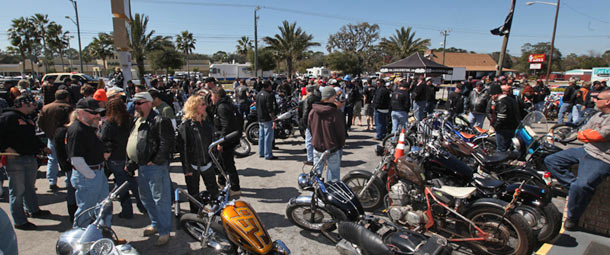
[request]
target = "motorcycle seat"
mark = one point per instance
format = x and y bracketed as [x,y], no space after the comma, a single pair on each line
[499,157]
[467,135]
[457,192]
[488,183]
[480,130]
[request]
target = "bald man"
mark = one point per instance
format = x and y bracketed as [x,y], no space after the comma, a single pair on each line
[593,161]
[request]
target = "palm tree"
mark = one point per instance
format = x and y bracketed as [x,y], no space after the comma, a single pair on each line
[40,22]
[243,46]
[403,43]
[186,44]
[22,36]
[102,47]
[57,40]
[143,42]
[290,43]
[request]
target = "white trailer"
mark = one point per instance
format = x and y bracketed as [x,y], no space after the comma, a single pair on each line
[234,71]
[600,74]
[459,74]
[318,72]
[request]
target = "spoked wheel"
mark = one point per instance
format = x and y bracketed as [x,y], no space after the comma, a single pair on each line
[243,148]
[194,225]
[564,133]
[371,198]
[252,133]
[304,217]
[544,222]
[509,235]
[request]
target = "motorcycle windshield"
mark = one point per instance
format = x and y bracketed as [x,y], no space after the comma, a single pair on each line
[535,122]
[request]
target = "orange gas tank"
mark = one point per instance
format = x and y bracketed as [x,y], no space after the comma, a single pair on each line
[244,228]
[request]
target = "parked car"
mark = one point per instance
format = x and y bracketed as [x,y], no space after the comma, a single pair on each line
[80,77]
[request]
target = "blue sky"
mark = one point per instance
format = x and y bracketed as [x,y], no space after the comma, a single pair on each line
[583,26]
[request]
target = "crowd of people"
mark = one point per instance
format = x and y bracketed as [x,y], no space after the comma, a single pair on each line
[93,132]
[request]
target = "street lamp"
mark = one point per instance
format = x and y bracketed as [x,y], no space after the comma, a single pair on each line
[548,70]
[256,43]
[77,23]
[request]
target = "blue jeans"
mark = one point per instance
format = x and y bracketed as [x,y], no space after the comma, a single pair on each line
[89,192]
[52,166]
[7,234]
[399,118]
[577,113]
[420,110]
[591,172]
[70,190]
[562,110]
[504,139]
[308,145]
[381,124]
[333,165]
[156,194]
[476,119]
[118,169]
[265,139]
[21,172]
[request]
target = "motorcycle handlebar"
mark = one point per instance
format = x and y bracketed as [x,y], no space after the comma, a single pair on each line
[115,193]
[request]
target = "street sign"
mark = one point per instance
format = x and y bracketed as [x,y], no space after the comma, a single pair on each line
[536,58]
[536,66]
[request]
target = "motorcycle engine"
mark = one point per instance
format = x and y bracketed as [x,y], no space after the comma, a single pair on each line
[407,205]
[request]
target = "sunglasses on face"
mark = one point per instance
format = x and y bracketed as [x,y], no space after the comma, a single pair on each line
[92,112]
[597,98]
[139,102]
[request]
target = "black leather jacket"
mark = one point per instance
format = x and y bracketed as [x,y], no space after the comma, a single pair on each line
[193,141]
[155,141]
[225,120]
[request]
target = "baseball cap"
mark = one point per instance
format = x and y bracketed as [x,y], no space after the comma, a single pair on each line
[142,96]
[89,104]
[210,79]
[100,95]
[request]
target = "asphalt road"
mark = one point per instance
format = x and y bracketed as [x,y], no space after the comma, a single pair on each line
[266,185]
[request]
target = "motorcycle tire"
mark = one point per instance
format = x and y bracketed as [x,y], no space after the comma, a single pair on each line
[390,141]
[553,223]
[372,199]
[243,148]
[520,177]
[252,133]
[515,236]
[565,133]
[194,226]
[299,215]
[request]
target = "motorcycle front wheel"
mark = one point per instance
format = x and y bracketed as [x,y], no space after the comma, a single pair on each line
[509,235]
[565,133]
[243,148]
[301,215]
[545,222]
[252,133]
[194,226]
[372,198]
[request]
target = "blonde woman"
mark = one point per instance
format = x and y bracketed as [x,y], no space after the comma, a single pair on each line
[195,135]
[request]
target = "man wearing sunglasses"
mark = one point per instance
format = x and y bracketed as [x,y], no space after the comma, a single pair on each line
[148,150]
[593,161]
[86,153]
[19,146]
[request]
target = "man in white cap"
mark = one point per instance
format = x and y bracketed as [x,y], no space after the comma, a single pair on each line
[148,150]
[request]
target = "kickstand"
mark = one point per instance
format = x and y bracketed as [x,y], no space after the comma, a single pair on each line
[335,239]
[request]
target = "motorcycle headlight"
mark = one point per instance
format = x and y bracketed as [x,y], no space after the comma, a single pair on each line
[280,247]
[303,181]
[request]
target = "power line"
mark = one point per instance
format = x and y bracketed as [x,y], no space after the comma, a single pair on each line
[584,14]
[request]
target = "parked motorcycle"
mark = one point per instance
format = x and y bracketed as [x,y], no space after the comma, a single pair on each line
[95,238]
[373,235]
[284,126]
[487,225]
[228,227]
[551,106]
[330,203]
[567,132]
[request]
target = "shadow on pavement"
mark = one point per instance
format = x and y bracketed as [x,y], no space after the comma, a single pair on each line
[566,240]
[259,172]
[316,237]
[274,220]
[350,163]
[271,195]
[179,241]
[138,221]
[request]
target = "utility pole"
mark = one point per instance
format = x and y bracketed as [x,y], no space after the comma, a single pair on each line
[256,43]
[80,50]
[444,33]
[548,69]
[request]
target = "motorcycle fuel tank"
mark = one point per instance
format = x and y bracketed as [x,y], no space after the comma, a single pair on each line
[244,228]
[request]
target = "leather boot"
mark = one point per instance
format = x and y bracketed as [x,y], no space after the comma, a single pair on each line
[71,211]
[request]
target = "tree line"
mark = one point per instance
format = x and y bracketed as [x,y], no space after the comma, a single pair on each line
[355,48]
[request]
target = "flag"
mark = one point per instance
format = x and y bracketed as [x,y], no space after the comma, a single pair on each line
[505,28]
